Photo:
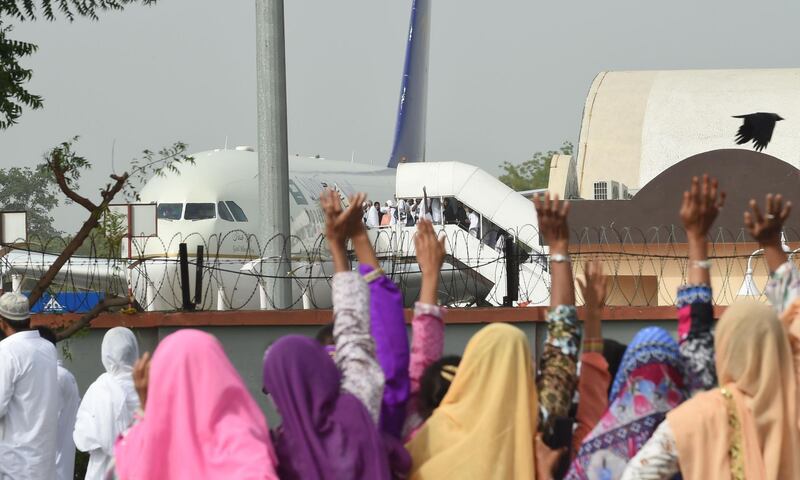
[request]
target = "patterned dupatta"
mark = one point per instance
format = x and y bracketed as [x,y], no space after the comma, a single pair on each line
[648,384]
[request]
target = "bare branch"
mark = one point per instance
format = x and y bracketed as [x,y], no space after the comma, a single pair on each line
[87,318]
[86,229]
[61,180]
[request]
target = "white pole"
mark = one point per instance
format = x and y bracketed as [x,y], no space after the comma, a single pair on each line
[221,303]
[273,151]
[150,297]
[263,300]
[307,303]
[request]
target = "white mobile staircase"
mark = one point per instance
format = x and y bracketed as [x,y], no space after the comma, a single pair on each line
[495,203]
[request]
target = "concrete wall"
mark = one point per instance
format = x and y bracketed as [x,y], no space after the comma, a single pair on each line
[245,347]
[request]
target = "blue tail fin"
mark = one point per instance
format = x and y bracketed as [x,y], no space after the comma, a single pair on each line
[409,135]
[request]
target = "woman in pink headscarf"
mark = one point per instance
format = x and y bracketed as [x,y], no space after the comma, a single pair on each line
[200,422]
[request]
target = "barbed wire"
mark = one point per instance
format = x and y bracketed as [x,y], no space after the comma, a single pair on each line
[645,267]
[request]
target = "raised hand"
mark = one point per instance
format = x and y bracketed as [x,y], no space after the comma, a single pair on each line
[430,257]
[553,221]
[341,224]
[430,249]
[141,377]
[766,229]
[700,206]
[593,290]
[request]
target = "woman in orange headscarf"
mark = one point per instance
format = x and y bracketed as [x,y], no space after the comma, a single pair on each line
[747,427]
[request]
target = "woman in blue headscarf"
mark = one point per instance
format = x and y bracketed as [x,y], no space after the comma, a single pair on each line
[648,384]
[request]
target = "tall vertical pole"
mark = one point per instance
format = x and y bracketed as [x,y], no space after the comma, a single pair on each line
[273,150]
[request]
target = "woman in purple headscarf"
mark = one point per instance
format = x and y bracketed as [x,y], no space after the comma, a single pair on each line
[330,415]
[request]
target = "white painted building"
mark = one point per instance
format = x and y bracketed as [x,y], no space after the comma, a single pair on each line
[637,124]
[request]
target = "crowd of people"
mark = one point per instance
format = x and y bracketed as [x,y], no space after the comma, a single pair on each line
[410,213]
[362,402]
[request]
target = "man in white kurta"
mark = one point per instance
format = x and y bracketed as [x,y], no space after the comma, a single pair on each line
[28,396]
[65,446]
[109,404]
[69,399]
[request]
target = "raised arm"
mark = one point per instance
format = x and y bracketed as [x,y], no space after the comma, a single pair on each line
[558,364]
[594,378]
[355,349]
[783,286]
[699,209]
[389,332]
[552,215]
[427,326]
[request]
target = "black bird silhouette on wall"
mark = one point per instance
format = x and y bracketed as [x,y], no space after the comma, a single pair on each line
[757,127]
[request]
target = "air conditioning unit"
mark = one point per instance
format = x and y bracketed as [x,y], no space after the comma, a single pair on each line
[601,190]
[610,190]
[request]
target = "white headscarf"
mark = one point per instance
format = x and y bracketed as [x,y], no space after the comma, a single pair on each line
[110,402]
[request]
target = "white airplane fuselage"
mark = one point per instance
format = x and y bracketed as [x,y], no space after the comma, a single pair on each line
[202,200]
[215,203]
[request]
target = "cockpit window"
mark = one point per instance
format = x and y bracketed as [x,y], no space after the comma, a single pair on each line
[170,211]
[199,211]
[237,212]
[224,213]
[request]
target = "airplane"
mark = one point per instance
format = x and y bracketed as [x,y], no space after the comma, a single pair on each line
[214,203]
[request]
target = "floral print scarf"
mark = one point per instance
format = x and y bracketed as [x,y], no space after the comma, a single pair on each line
[648,384]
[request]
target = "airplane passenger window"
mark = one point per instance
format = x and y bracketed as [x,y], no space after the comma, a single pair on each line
[224,213]
[169,211]
[199,211]
[237,212]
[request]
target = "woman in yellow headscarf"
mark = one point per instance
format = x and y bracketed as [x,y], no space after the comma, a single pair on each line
[747,427]
[485,427]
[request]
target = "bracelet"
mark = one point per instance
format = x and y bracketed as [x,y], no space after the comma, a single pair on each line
[702,264]
[560,258]
[593,345]
[373,275]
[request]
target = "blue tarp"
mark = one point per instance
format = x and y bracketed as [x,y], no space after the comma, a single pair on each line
[67,302]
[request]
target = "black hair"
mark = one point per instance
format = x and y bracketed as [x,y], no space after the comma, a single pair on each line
[47,334]
[435,382]
[325,335]
[613,352]
[18,325]
[377,204]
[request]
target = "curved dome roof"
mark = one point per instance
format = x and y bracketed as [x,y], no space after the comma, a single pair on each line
[638,124]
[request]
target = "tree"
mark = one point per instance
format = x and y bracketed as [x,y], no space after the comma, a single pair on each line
[33,190]
[66,167]
[13,77]
[534,173]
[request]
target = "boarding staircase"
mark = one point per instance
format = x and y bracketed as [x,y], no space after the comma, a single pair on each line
[497,204]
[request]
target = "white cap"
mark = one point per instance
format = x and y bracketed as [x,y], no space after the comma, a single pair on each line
[389,203]
[14,307]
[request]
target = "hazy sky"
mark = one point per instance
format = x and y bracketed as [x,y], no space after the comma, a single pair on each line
[507,78]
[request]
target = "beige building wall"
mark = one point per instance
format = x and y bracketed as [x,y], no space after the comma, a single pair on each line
[609,147]
[637,124]
[562,179]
